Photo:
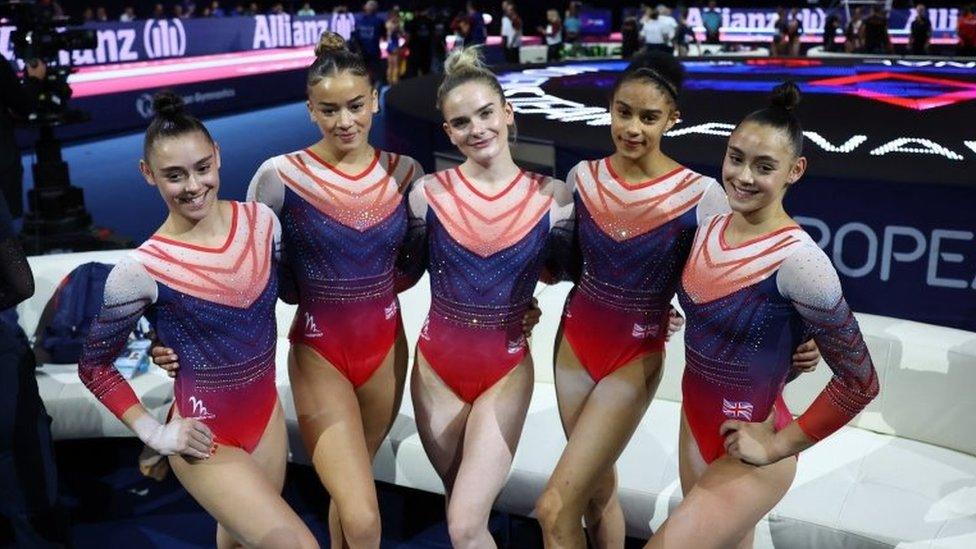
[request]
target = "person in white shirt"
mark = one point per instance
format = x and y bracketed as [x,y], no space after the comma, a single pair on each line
[511,31]
[657,33]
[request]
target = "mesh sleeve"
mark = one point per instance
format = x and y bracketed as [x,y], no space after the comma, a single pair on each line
[266,187]
[16,279]
[810,282]
[713,202]
[412,259]
[129,291]
[563,260]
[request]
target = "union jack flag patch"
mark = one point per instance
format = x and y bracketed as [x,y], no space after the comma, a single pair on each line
[737,410]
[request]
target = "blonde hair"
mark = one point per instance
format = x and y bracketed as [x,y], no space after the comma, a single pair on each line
[465,65]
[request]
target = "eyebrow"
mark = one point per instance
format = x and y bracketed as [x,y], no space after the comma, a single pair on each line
[461,118]
[643,111]
[763,157]
[167,169]
[353,100]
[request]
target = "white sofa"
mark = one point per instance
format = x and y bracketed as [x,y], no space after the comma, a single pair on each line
[903,474]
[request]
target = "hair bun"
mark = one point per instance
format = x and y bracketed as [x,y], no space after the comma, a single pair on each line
[786,96]
[330,42]
[464,59]
[167,104]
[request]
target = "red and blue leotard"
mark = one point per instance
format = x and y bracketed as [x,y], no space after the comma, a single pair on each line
[216,308]
[748,307]
[485,255]
[342,234]
[633,239]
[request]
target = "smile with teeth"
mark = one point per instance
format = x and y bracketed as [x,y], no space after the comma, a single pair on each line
[194,200]
[742,192]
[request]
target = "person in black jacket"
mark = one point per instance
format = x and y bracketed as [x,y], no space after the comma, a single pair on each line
[20,99]
[28,500]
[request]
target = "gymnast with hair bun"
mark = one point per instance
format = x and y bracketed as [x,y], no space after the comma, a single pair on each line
[755,285]
[208,274]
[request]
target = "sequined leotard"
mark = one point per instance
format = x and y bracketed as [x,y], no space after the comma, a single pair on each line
[486,254]
[216,308]
[342,234]
[634,239]
[748,307]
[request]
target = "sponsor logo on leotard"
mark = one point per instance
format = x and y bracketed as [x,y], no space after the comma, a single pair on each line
[390,310]
[737,410]
[644,331]
[424,332]
[516,345]
[199,409]
[311,329]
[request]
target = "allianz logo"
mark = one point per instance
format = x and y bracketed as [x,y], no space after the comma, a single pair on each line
[164,38]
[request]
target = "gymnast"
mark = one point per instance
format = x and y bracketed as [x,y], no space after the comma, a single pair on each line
[486,230]
[754,286]
[208,277]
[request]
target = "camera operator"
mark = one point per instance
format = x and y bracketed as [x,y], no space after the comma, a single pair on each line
[20,99]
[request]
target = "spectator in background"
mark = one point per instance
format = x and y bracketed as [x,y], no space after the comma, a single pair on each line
[478,33]
[462,30]
[87,15]
[670,24]
[655,33]
[178,12]
[216,10]
[394,32]
[921,32]
[306,10]
[277,9]
[646,12]
[712,21]
[630,38]
[684,34]
[511,31]
[966,30]
[794,29]
[874,33]
[159,12]
[101,15]
[366,37]
[419,32]
[781,37]
[553,34]
[572,23]
[128,14]
[831,30]
[252,9]
[852,32]
[442,27]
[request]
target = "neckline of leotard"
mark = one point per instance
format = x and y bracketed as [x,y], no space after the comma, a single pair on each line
[503,192]
[209,249]
[360,175]
[727,247]
[642,184]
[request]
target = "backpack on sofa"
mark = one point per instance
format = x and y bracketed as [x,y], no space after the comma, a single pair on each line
[74,306]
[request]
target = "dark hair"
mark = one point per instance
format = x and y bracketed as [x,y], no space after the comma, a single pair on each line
[332,56]
[464,65]
[170,120]
[659,68]
[781,114]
